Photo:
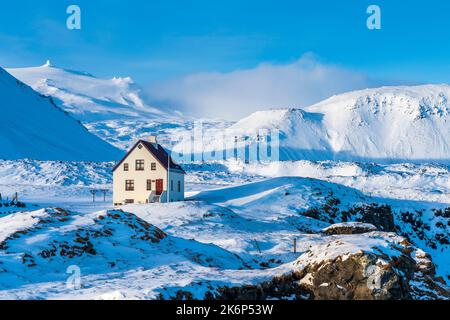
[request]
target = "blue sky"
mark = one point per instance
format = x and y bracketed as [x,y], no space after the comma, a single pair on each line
[155,41]
[160,39]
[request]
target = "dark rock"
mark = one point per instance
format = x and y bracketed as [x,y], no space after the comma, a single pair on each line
[349,228]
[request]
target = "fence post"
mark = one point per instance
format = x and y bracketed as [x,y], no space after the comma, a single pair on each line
[295,245]
[93,195]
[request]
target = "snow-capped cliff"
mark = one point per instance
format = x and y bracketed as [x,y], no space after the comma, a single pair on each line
[33,126]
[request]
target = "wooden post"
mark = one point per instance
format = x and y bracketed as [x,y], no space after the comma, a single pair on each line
[295,245]
[104,195]
[93,195]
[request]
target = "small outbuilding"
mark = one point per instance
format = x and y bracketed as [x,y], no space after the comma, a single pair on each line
[147,174]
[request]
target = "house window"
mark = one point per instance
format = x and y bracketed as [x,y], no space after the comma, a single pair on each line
[129,201]
[126,167]
[129,185]
[149,185]
[153,166]
[179,186]
[139,165]
[171,185]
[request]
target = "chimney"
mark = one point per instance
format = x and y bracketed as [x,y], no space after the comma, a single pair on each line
[153,140]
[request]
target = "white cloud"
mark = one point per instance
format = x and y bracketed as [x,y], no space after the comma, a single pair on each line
[236,94]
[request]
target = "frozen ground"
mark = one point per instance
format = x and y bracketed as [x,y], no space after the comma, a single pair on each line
[237,227]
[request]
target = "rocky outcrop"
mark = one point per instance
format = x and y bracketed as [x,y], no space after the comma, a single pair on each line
[360,276]
[381,216]
[427,285]
[385,267]
[349,228]
[370,266]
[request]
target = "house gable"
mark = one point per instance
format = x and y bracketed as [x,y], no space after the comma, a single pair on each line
[160,155]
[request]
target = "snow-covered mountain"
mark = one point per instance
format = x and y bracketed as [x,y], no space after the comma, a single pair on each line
[384,125]
[389,124]
[32,126]
[86,97]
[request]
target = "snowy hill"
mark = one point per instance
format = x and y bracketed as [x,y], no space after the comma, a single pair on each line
[32,126]
[389,124]
[86,97]
[231,237]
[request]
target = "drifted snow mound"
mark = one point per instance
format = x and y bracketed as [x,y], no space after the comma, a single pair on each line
[86,97]
[32,126]
[388,124]
[39,247]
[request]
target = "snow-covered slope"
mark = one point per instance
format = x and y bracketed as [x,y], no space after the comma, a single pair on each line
[32,126]
[243,236]
[86,97]
[388,124]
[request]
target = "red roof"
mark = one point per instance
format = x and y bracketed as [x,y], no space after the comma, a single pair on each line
[158,152]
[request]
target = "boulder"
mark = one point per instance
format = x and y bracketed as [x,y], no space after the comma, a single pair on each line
[373,266]
[349,228]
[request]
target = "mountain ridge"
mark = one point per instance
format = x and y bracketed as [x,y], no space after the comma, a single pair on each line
[87,97]
[388,124]
[34,127]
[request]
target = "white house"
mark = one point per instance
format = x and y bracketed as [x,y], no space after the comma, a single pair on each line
[147,174]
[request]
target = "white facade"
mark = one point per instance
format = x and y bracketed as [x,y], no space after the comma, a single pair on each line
[142,177]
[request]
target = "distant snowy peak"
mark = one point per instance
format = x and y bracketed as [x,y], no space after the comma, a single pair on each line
[416,101]
[86,97]
[388,124]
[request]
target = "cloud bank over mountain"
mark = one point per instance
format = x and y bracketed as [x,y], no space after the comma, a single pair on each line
[236,94]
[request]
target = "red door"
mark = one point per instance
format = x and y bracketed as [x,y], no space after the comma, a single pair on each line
[159,187]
